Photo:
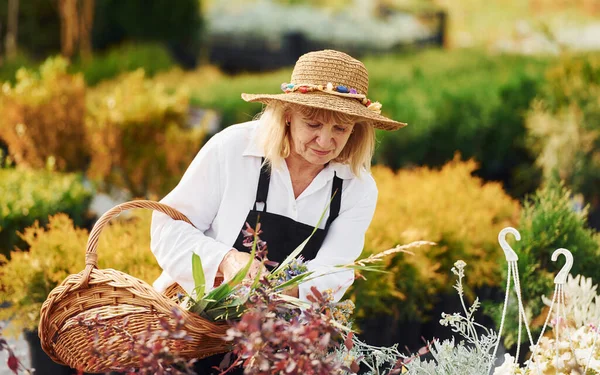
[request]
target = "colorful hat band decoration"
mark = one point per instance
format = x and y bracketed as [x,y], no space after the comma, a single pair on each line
[338,90]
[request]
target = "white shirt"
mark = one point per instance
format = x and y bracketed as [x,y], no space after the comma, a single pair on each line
[219,189]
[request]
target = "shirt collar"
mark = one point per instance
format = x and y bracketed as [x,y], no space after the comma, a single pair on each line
[342,171]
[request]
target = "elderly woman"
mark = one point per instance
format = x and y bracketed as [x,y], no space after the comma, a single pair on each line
[312,145]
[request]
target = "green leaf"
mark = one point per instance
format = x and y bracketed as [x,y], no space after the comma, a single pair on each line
[380,269]
[199,278]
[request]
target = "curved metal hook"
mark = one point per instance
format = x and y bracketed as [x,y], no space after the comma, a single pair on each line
[561,277]
[509,253]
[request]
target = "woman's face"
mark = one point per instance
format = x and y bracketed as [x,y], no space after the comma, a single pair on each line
[316,141]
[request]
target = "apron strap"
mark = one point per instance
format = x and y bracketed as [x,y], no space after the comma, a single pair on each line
[263,185]
[263,191]
[334,208]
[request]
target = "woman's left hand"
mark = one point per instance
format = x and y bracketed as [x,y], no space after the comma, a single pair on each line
[235,260]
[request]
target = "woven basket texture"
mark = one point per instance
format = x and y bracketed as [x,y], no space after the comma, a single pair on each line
[106,309]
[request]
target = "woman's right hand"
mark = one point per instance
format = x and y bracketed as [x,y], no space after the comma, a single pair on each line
[236,260]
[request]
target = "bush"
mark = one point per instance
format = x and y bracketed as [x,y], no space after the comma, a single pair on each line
[563,125]
[550,219]
[42,118]
[59,251]
[29,196]
[9,67]
[223,95]
[138,135]
[459,212]
[473,103]
[153,58]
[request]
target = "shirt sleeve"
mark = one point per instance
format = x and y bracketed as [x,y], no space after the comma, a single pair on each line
[342,245]
[198,196]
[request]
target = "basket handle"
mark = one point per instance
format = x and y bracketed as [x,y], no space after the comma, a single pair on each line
[91,256]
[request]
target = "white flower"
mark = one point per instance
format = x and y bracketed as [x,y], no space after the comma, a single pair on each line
[507,367]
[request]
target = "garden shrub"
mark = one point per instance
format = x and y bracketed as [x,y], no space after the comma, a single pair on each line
[224,95]
[139,136]
[473,103]
[9,67]
[153,58]
[563,125]
[451,207]
[58,251]
[29,196]
[190,80]
[43,116]
[550,219]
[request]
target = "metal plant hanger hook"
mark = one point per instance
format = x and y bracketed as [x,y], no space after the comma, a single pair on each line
[512,273]
[509,253]
[561,277]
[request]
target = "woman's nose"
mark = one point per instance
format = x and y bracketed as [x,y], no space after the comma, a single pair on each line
[324,139]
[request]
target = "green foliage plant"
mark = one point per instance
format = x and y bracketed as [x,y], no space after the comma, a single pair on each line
[450,207]
[43,117]
[30,195]
[9,67]
[475,102]
[128,57]
[139,136]
[58,251]
[563,125]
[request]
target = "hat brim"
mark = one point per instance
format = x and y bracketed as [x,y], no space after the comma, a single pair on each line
[336,103]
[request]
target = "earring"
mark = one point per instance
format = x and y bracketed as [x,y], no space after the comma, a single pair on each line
[287,123]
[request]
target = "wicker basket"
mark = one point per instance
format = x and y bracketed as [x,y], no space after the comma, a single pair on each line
[116,298]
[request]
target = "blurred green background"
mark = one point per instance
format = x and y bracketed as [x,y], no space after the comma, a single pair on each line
[103,101]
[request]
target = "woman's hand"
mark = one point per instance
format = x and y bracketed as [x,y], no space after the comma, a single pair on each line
[235,260]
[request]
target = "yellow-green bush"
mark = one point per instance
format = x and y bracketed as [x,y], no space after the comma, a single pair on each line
[59,251]
[43,116]
[451,207]
[30,195]
[138,135]
[563,123]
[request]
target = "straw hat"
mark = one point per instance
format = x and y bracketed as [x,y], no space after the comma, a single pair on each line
[330,80]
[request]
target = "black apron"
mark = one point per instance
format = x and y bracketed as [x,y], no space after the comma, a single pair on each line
[282,235]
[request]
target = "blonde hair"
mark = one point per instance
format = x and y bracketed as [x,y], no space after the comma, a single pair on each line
[273,136]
